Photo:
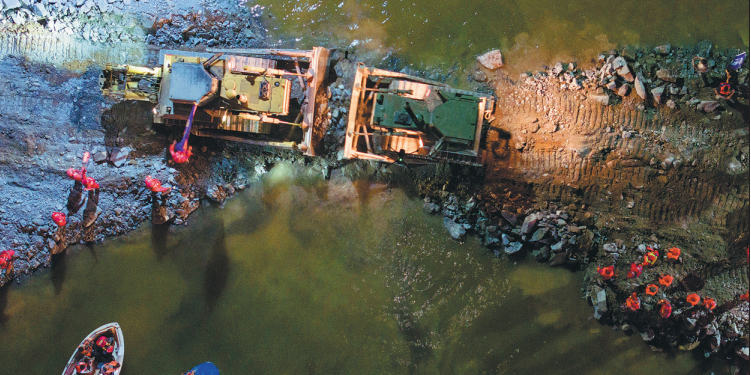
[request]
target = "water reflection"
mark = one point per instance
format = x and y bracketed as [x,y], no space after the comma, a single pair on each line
[3,304]
[281,282]
[531,33]
[217,271]
[57,270]
[159,238]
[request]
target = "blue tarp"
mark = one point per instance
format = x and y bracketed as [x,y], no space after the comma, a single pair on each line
[737,62]
[206,368]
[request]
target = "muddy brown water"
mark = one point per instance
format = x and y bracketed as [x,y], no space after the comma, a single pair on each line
[298,275]
[530,33]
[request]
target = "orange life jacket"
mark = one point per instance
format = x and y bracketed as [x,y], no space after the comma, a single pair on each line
[83,367]
[725,89]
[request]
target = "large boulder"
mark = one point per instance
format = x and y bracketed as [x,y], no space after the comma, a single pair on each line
[529,223]
[513,248]
[708,105]
[119,156]
[11,4]
[598,296]
[456,230]
[491,60]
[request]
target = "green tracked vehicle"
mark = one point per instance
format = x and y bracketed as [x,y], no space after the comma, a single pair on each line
[396,117]
[258,96]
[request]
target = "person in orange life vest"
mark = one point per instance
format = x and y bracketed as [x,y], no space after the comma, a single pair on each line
[6,259]
[87,348]
[110,367]
[726,90]
[104,348]
[83,367]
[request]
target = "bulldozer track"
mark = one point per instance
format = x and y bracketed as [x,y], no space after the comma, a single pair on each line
[615,169]
[73,53]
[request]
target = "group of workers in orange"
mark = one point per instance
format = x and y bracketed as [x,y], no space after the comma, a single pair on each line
[99,351]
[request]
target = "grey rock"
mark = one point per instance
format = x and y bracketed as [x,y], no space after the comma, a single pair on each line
[491,60]
[624,90]
[490,241]
[557,247]
[599,299]
[657,93]
[511,217]
[17,18]
[708,105]
[665,75]
[529,223]
[629,53]
[542,254]
[558,259]
[100,156]
[603,99]
[88,5]
[479,76]
[505,240]
[619,62]
[557,69]
[539,234]
[742,352]
[671,104]
[610,247]
[648,335]
[513,248]
[432,208]
[639,86]
[663,49]
[12,4]
[119,156]
[734,167]
[456,231]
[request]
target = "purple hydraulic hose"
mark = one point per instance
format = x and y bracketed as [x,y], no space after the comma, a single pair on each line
[180,146]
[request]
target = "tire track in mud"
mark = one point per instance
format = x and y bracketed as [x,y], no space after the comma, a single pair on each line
[623,171]
[72,53]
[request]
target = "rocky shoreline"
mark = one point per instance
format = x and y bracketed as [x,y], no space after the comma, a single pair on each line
[578,165]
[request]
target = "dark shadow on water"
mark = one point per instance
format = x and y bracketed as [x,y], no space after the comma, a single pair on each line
[415,337]
[92,250]
[4,290]
[217,271]
[58,268]
[366,189]
[159,236]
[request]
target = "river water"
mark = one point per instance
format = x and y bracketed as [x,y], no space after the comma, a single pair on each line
[298,275]
[450,33]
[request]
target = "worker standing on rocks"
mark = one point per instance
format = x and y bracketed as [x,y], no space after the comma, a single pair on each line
[84,183]
[92,210]
[158,201]
[6,260]
[75,198]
